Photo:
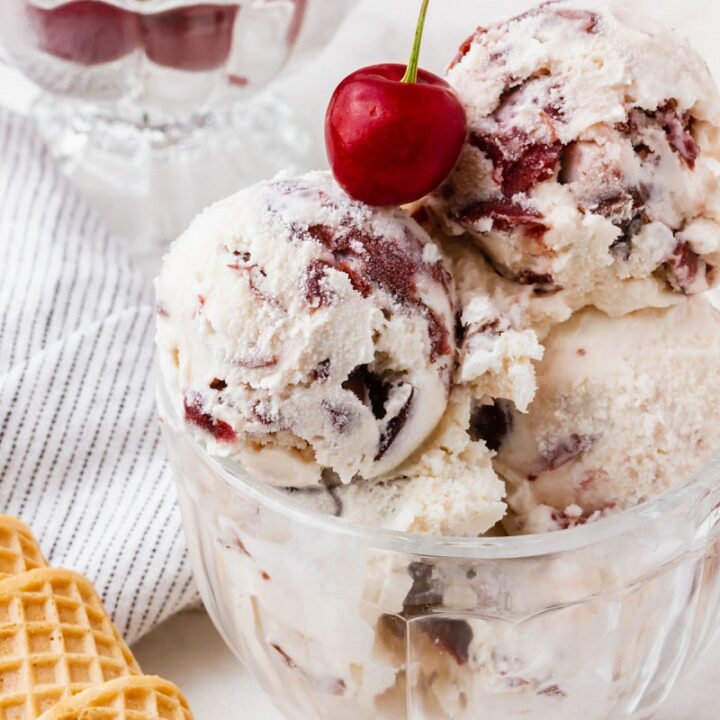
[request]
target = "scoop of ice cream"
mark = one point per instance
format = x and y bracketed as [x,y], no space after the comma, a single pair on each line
[499,340]
[591,169]
[299,330]
[447,488]
[624,411]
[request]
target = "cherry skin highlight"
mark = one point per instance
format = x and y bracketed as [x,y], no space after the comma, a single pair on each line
[391,142]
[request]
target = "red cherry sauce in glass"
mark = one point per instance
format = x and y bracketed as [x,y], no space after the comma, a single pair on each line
[193,38]
[85,32]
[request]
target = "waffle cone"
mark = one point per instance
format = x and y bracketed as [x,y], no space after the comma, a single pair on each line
[56,640]
[19,550]
[131,698]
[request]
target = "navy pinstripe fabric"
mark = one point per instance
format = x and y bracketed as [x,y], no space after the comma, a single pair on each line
[80,452]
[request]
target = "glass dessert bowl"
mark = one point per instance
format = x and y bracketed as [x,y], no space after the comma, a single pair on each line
[152,102]
[340,620]
[446,373]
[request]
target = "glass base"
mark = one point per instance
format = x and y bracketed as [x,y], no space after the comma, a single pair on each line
[149,175]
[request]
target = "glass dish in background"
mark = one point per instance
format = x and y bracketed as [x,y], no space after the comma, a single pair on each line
[341,621]
[150,104]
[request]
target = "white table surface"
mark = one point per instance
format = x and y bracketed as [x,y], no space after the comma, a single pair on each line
[186,649]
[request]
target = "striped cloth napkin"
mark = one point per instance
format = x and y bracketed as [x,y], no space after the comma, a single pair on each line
[81,459]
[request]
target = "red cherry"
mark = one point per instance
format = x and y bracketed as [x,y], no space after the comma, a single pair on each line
[192,38]
[391,142]
[393,133]
[85,32]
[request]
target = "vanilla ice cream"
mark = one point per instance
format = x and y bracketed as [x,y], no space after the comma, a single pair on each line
[448,487]
[374,362]
[624,411]
[590,174]
[299,330]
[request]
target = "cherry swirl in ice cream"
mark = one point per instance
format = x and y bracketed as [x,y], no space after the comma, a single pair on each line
[589,173]
[297,323]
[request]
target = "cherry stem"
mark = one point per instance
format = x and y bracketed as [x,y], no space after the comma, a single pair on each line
[412,69]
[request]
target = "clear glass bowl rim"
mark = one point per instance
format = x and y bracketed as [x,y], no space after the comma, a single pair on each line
[144,7]
[477,548]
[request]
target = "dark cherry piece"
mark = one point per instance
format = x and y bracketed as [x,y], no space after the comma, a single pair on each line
[684,266]
[195,415]
[519,164]
[449,635]
[85,32]
[506,215]
[492,423]
[370,388]
[394,426]
[393,133]
[678,127]
[562,453]
[194,38]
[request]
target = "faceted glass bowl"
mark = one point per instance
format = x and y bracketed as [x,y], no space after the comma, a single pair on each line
[151,104]
[342,621]
[170,57]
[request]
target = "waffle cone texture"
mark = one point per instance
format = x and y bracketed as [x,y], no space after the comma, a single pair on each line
[141,697]
[61,657]
[19,550]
